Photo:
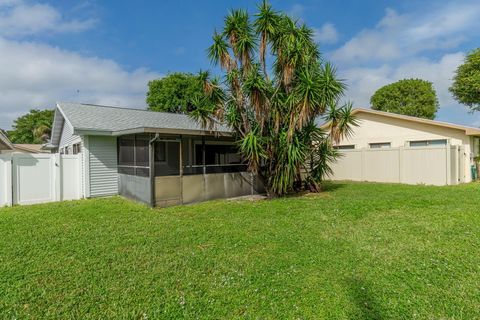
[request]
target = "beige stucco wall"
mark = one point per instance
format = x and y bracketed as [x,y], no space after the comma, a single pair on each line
[376,129]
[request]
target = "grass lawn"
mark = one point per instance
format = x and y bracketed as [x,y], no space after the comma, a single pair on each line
[361,251]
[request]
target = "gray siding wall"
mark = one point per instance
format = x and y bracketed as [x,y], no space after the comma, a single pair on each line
[67,136]
[102,166]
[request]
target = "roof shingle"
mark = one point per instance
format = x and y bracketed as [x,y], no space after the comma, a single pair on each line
[112,119]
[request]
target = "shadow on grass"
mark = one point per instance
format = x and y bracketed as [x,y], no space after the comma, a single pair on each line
[363,299]
[326,186]
[332,186]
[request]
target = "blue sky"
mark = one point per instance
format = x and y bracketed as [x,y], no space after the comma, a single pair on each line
[106,51]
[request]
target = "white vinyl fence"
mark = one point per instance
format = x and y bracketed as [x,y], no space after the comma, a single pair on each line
[417,165]
[38,178]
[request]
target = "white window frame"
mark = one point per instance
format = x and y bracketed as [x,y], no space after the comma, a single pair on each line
[345,147]
[428,143]
[381,145]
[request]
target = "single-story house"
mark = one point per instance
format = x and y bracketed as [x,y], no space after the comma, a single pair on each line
[422,150]
[5,144]
[154,157]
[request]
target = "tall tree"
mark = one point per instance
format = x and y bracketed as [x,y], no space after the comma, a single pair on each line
[33,127]
[411,97]
[174,93]
[466,83]
[273,114]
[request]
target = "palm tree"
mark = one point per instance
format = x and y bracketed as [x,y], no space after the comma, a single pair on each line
[274,118]
[41,133]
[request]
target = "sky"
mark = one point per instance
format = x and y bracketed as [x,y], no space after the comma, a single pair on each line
[105,52]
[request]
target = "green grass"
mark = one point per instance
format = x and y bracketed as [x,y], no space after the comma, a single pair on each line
[361,251]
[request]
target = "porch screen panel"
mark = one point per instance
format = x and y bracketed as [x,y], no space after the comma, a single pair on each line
[167,158]
[133,157]
[216,156]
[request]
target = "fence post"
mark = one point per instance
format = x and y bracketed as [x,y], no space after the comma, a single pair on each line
[80,194]
[456,159]
[3,183]
[57,176]
[9,181]
[449,164]
[6,183]
[14,180]
[400,164]
[461,165]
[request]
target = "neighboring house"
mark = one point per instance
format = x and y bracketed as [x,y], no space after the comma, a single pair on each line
[5,144]
[28,148]
[405,136]
[153,157]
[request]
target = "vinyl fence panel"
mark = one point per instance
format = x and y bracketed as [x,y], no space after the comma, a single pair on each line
[38,178]
[382,165]
[426,165]
[33,178]
[411,165]
[349,166]
[5,180]
[71,184]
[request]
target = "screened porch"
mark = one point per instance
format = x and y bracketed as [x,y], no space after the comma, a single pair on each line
[163,170]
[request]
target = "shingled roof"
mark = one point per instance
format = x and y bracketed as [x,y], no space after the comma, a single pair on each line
[5,144]
[469,131]
[105,118]
[92,119]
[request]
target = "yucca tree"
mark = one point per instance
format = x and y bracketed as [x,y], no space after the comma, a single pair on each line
[274,109]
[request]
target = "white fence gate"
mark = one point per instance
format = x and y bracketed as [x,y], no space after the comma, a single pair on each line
[38,178]
[410,165]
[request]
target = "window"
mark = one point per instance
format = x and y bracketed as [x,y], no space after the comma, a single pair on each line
[141,151]
[126,153]
[77,148]
[217,154]
[220,157]
[380,145]
[167,158]
[427,143]
[133,155]
[345,147]
[160,151]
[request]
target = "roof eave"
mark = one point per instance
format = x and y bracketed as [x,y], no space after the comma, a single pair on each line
[468,131]
[91,132]
[472,132]
[5,141]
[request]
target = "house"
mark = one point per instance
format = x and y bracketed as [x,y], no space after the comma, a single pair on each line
[388,147]
[156,158]
[27,148]
[5,144]
[7,147]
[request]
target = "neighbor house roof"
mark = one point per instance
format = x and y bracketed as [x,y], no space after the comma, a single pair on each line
[106,120]
[5,144]
[469,131]
[30,148]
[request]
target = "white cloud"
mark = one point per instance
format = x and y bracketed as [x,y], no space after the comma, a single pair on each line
[398,36]
[421,45]
[326,34]
[297,11]
[20,19]
[364,81]
[38,75]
